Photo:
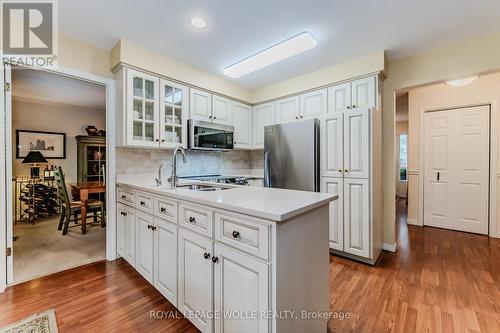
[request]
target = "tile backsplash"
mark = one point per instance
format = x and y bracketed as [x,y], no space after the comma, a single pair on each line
[135,160]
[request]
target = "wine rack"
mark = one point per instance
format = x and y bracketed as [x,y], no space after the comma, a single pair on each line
[35,199]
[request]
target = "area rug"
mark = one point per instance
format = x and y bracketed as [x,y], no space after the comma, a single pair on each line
[43,322]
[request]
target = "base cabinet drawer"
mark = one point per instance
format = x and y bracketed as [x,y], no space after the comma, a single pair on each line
[243,233]
[197,218]
[125,196]
[241,288]
[144,202]
[165,209]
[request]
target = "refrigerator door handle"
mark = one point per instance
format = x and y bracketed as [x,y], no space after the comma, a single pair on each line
[267,171]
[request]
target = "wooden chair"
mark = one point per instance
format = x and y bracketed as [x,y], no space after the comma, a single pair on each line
[71,210]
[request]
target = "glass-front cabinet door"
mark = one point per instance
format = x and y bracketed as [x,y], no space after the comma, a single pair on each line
[143,108]
[173,114]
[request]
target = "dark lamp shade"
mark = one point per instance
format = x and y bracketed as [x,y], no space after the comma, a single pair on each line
[34,157]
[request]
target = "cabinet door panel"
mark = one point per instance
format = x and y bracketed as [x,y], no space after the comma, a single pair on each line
[195,278]
[144,248]
[174,110]
[242,122]
[241,286]
[200,104]
[287,109]
[121,219]
[313,104]
[363,93]
[335,186]
[130,236]
[263,116]
[357,144]
[166,259]
[357,217]
[339,98]
[332,145]
[222,110]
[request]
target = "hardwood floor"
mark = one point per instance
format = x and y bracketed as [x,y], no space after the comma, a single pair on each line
[438,281]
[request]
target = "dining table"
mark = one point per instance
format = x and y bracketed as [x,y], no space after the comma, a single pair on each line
[84,189]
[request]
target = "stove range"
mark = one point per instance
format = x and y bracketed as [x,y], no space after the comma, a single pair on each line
[219,179]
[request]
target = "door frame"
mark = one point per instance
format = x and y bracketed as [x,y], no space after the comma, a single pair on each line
[6,144]
[493,156]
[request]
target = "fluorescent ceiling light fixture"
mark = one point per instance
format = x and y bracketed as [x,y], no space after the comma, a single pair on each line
[198,22]
[272,55]
[462,82]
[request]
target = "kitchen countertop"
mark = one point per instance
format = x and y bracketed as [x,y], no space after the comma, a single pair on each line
[267,203]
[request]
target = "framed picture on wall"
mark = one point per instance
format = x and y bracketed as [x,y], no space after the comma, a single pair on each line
[52,145]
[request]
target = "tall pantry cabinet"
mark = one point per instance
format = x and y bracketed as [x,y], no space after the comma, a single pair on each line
[351,166]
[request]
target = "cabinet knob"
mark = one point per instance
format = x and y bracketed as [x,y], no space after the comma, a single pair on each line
[234,142]
[124,197]
[163,210]
[206,255]
[346,170]
[149,226]
[354,106]
[215,260]
[209,117]
[157,140]
[301,116]
[348,107]
[215,118]
[162,140]
[153,227]
[340,170]
[192,219]
[143,203]
[296,117]
[236,234]
[123,213]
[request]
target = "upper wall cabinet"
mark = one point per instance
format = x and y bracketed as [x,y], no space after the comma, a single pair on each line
[313,104]
[242,122]
[154,111]
[287,109]
[263,115]
[352,95]
[222,112]
[201,104]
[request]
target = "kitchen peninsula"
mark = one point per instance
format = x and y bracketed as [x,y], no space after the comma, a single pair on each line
[221,253]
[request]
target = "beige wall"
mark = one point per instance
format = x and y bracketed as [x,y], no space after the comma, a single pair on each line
[127,52]
[485,90]
[460,59]
[37,116]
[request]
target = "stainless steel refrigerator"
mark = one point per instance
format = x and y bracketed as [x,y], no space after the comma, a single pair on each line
[291,155]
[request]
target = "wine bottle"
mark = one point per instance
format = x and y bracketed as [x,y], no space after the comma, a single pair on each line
[46,172]
[51,172]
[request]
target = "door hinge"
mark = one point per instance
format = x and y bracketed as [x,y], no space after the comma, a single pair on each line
[8,252]
[7,86]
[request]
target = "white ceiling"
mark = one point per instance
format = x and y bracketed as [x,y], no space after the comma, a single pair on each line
[236,29]
[35,85]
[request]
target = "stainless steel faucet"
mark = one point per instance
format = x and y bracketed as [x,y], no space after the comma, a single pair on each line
[173,178]
[158,179]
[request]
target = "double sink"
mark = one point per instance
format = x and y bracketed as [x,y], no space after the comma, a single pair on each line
[203,187]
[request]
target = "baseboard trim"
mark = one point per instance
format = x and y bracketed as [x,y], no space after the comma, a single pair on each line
[412,222]
[389,247]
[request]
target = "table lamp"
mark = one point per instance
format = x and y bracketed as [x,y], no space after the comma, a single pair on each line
[34,158]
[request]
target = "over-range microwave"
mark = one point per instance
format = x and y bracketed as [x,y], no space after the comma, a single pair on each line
[204,135]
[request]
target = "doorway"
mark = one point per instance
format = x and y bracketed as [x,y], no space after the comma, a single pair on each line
[456,169]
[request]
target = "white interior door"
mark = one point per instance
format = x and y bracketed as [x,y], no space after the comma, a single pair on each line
[7,175]
[456,188]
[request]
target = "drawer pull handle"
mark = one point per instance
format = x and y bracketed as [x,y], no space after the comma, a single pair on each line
[163,210]
[206,255]
[143,203]
[123,213]
[192,219]
[215,260]
[153,227]
[124,197]
[236,234]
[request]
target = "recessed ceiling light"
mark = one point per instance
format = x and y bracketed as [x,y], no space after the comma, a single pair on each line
[462,82]
[274,54]
[198,22]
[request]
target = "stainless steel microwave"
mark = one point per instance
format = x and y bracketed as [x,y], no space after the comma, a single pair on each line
[204,135]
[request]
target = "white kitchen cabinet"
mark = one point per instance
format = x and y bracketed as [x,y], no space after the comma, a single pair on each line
[287,109]
[121,219]
[313,104]
[339,98]
[201,104]
[142,109]
[242,122]
[222,110]
[174,110]
[195,279]
[357,217]
[357,94]
[263,116]
[363,93]
[129,233]
[165,256]
[335,186]
[357,143]
[241,286]
[144,245]
[332,145]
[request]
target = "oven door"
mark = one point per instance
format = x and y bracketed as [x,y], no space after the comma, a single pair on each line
[204,135]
